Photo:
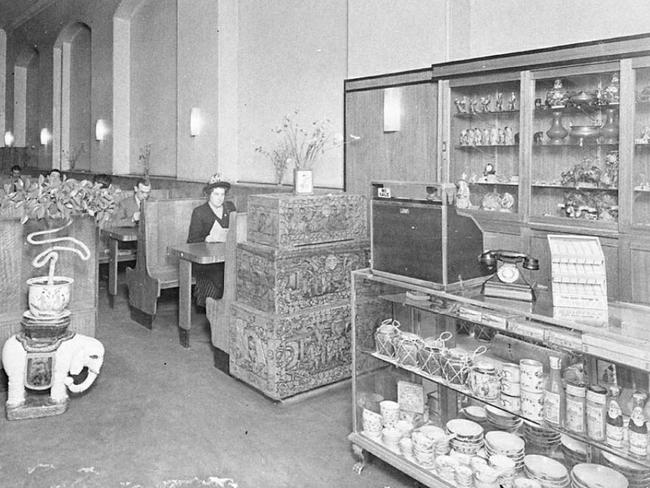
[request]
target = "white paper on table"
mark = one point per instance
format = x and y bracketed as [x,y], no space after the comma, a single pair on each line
[217,233]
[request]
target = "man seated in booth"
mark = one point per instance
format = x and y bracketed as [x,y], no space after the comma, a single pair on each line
[127,212]
[14,181]
[54,177]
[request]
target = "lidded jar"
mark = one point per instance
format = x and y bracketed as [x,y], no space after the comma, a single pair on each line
[456,366]
[431,352]
[385,337]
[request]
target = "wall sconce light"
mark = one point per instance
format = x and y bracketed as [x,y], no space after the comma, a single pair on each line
[392,109]
[9,139]
[46,137]
[101,130]
[195,121]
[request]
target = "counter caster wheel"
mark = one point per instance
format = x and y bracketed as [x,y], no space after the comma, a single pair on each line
[362,456]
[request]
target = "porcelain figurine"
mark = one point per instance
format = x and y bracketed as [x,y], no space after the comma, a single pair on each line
[463,141]
[498,102]
[485,137]
[485,104]
[470,137]
[71,356]
[461,105]
[509,136]
[473,105]
[494,136]
[512,103]
[478,136]
[463,194]
[556,97]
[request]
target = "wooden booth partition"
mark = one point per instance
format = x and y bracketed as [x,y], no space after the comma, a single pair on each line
[16,268]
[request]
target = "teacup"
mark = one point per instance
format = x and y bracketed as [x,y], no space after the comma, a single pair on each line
[511,403]
[389,412]
[532,405]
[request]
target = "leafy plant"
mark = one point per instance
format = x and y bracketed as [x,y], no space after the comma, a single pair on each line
[42,200]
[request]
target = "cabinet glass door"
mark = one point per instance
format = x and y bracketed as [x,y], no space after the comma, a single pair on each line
[484,155]
[574,157]
[641,165]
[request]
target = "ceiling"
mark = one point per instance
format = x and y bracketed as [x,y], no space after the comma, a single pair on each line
[15,12]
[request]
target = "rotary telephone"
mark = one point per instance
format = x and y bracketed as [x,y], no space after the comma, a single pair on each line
[508,281]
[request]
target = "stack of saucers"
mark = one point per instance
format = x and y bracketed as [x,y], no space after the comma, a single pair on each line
[424,440]
[587,475]
[549,472]
[574,451]
[507,444]
[475,413]
[468,436]
[637,475]
[502,420]
[486,477]
[538,439]
[446,467]
[505,467]
[464,477]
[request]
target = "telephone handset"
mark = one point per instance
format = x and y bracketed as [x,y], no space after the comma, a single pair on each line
[508,281]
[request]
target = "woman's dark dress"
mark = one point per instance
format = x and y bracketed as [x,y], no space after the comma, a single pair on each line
[209,277]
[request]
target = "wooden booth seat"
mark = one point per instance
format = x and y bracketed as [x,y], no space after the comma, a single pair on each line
[163,223]
[125,253]
[218,311]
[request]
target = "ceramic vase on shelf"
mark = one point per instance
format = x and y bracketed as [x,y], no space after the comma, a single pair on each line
[557,132]
[303,181]
[609,130]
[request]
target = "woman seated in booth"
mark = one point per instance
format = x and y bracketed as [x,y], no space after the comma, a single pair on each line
[210,223]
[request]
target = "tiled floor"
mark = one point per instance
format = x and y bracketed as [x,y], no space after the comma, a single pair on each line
[160,412]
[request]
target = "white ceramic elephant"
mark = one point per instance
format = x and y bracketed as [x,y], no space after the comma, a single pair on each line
[70,357]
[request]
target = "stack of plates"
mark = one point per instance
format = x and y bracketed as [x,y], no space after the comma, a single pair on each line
[637,475]
[586,475]
[45,327]
[474,413]
[540,439]
[507,444]
[549,473]
[574,451]
[502,420]
[468,436]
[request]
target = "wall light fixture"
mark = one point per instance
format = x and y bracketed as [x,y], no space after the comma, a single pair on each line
[46,137]
[101,130]
[9,139]
[392,109]
[195,121]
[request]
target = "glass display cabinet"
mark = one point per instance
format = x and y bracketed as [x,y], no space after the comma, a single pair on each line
[484,139]
[641,135]
[575,145]
[456,389]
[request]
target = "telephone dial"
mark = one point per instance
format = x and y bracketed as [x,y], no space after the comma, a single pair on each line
[508,281]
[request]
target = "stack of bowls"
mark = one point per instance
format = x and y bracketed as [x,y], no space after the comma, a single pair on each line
[467,436]
[532,389]
[540,440]
[507,444]
[424,440]
[486,477]
[573,450]
[637,475]
[501,420]
[549,472]
[511,387]
[390,436]
[587,475]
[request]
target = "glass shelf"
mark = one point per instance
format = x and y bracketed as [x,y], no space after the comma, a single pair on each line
[584,144]
[468,346]
[484,146]
[503,113]
[564,187]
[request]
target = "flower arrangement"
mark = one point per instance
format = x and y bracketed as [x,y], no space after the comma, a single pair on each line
[299,146]
[61,200]
[143,159]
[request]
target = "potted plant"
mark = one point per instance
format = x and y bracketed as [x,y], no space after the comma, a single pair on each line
[301,148]
[54,205]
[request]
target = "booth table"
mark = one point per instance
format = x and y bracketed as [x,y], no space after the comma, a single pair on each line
[200,253]
[115,236]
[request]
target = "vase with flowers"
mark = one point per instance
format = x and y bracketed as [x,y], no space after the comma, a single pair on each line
[300,147]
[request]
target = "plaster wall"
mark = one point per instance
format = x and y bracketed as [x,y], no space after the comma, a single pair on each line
[292,56]
[198,86]
[41,32]
[153,86]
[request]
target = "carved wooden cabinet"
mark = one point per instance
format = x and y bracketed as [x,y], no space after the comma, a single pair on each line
[290,322]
